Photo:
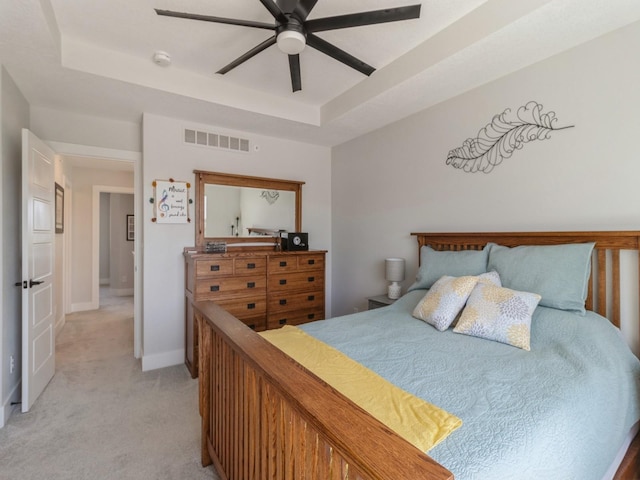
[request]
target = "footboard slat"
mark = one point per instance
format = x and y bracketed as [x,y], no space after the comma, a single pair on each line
[266,417]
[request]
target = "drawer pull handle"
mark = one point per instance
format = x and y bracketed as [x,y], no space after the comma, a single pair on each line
[251,266]
[214,288]
[283,281]
[251,284]
[311,262]
[311,298]
[311,316]
[252,326]
[283,264]
[283,301]
[282,321]
[215,268]
[311,279]
[251,306]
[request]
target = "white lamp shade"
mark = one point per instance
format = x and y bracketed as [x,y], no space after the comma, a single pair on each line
[394,269]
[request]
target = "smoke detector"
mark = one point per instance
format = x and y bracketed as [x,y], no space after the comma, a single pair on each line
[162,58]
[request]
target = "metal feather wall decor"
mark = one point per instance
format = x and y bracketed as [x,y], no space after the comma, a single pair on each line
[270,196]
[500,138]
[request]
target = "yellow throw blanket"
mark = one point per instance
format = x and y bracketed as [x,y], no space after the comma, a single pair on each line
[417,421]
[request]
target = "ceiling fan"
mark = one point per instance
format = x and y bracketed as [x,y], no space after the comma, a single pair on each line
[293,31]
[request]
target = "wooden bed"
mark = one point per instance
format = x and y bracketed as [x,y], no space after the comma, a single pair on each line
[266,417]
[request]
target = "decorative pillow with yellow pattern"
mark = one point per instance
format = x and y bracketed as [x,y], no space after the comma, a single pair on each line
[444,300]
[499,314]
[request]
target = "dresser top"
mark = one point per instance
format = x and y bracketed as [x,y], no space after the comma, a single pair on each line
[194,253]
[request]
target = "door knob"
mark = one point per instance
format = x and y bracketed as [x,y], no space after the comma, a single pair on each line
[32,283]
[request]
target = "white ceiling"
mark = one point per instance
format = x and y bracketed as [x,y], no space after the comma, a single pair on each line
[95,57]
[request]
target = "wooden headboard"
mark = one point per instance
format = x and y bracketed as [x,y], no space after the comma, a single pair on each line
[601,263]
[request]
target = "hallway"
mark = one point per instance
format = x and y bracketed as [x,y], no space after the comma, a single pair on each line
[101,417]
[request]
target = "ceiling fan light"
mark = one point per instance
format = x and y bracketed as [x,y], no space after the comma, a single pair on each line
[291,42]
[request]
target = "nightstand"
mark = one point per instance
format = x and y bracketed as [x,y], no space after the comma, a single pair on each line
[379,301]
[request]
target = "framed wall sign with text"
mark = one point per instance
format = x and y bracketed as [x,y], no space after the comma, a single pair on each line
[171,201]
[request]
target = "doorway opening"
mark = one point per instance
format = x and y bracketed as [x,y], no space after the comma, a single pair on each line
[126,285]
[116,253]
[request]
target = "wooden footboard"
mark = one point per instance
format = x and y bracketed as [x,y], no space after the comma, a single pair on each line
[266,417]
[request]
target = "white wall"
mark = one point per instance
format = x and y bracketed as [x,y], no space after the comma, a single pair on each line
[120,249]
[82,239]
[14,115]
[105,235]
[166,156]
[59,249]
[395,181]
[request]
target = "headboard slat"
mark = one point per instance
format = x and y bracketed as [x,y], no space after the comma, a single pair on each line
[602,282]
[615,286]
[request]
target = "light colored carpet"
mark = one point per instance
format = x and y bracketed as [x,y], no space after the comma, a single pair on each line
[101,417]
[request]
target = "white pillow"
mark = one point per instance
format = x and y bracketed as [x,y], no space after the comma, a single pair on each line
[444,300]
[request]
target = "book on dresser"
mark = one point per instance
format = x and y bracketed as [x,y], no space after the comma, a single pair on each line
[264,289]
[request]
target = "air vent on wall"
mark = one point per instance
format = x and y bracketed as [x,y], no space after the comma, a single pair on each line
[215,140]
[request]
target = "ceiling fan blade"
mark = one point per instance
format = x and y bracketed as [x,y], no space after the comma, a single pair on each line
[254,51]
[274,10]
[294,66]
[303,9]
[364,18]
[207,18]
[340,55]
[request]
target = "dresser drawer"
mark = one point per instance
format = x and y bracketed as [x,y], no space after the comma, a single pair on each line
[245,307]
[295,317]
[250,266]
[216,288]
[312,280]
[311,261]
[283,302]
[214,267]
[282,264]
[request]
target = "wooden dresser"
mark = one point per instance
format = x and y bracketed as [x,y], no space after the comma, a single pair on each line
[264,289]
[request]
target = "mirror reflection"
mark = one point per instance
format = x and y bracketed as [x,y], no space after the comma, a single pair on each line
[231,211]
[241,209]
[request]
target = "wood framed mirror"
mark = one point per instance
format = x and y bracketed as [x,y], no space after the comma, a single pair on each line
[240,209]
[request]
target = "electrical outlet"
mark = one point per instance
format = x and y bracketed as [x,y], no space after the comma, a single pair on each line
[124,279]
[356,309]
[12,363]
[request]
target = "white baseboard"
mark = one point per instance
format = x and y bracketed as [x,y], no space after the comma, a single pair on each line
[83,307]
[122,292]
[7,409]
[161,360]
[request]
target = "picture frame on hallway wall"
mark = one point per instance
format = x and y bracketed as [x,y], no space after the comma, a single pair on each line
[130,228]
[59,208]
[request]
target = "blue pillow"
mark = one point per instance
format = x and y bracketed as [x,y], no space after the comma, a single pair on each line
[435,264]
[559,273]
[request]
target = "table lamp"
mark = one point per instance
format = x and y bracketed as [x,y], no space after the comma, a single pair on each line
[394,272]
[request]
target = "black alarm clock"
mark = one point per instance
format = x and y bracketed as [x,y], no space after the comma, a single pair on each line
[292,241]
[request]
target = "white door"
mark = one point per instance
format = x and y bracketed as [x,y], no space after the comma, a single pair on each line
[38,332]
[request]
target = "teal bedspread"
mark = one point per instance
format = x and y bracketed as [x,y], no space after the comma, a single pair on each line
[560,411]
